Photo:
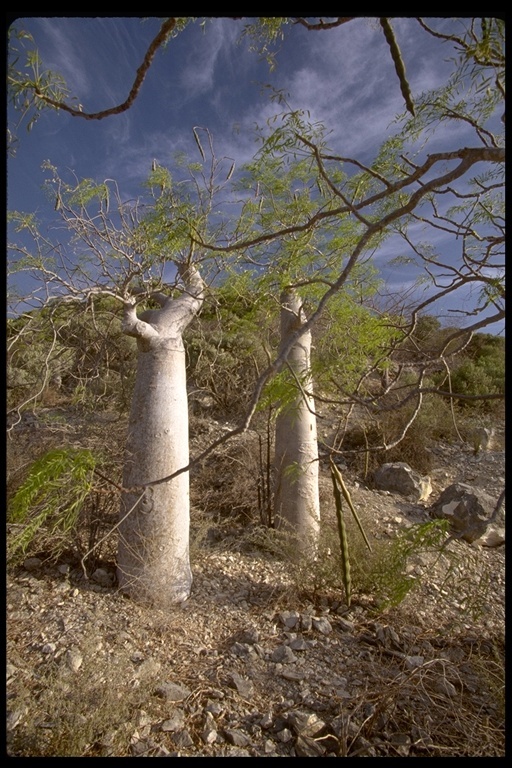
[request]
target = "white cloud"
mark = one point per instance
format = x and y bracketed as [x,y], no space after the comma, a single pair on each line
[198,70]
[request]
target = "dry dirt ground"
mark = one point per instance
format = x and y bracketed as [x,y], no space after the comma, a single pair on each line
[266,659]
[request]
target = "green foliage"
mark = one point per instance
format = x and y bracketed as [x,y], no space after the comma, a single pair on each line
[426,330]
[229,344]
[47,505]
[263,33]
[79,344]
[481,371]
[383,575]
[475,90]
[347,338]
[27,80]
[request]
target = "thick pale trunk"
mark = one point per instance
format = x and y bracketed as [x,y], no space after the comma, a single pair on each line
[153,550]
[296,498]
[154,538]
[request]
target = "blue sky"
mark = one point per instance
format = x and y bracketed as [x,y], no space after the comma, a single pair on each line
[209,78]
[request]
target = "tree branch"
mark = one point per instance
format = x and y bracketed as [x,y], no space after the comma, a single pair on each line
[165,30]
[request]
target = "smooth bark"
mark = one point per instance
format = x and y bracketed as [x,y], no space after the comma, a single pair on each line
[153,554]
[296,497]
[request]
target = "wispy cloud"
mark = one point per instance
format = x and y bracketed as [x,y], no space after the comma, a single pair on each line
[198,70]
[64,53]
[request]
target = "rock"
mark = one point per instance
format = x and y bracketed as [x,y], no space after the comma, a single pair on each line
[183,739]
[298,644]
[244,686]
[213,707]
[305,723]
[493,537]
[401,478]
[142,719]
[481,439]
[290,619]
[49,648]
[322,625]
[283,654]
[32,564]
[444,686]
[412,662]
[172,691]
[345,625]
[74,659]
[240,649]
[175,722]
[209,735]
[14,718]
[249,636]
[102,577]
[467,508]
[306,622]
[236,737]
[292,674]
[307,747]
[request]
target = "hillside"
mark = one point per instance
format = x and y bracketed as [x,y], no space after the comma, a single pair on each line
[265,658]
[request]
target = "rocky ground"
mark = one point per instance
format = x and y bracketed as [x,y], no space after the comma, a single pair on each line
[264,659]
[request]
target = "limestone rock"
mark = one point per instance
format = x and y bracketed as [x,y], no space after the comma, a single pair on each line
[493,537]
[467,508]
[401,478]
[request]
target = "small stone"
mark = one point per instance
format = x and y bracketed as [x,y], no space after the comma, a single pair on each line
[103,577]
[48,648]
[284,655]
[74,659]
[214,707]
[142,719]
[306,622]
[345,625]
[175,722]
[244,686]
[32,564]
[14,718]
[183,739]
[305,723]
[299,644]
[307,747]
[322,624]
[285,735]
[290,619]
[10,670]
[209,735]
[236,737]
[444,686]
[172,691]
[250,636]
[292,674]
[240,649]
[411,662]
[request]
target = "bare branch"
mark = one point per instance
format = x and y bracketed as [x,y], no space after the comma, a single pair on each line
[323,24]
[165,30]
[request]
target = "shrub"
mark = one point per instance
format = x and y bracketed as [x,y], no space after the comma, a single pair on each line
[59,507]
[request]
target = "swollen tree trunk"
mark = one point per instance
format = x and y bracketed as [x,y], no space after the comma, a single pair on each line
[153,552]
[296,498]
